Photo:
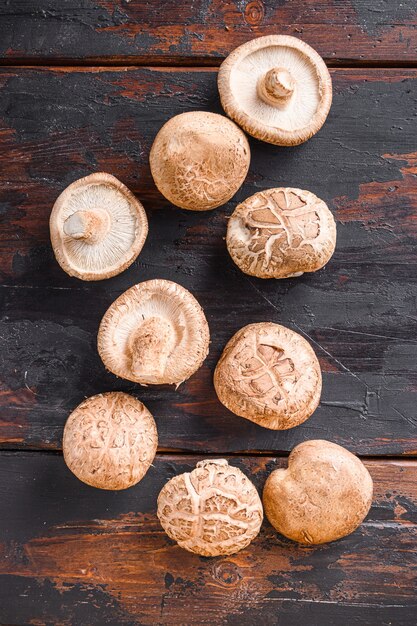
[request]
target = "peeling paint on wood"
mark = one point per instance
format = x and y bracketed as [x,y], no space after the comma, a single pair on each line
[84,555]
[72,555]
[203,31]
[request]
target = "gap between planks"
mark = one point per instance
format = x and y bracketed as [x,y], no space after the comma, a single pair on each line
[410,459]
[202,63]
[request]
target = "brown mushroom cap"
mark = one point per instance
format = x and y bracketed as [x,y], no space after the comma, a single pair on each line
[199,160]
[154,333]
[110,441]
[279,233]
[213,510]
[325,493]
[270,375]
[277,88]
[97,227]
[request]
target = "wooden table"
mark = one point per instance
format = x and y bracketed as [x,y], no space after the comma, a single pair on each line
[85,86]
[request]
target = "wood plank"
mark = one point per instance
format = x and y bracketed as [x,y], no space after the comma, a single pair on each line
[107,31]
[59,125]
[359,312]
[76,555]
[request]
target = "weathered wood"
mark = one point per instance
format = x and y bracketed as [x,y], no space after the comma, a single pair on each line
[358,313]
[72,555]
[109,31]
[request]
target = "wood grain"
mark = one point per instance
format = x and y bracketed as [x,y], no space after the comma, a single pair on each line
[75,555]
[203,31]
[359,313]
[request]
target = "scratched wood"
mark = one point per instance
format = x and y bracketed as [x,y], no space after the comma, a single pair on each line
[359,313]
[203,31]
[72,555]
[75,555]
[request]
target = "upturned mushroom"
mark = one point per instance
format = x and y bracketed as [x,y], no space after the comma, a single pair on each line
[281,233]
[270,375]
[97,227]
[212,511]
[199,160]
[324,495]
[110,441]
[277,88]
[154,333]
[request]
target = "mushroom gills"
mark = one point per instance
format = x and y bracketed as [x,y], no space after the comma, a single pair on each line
[97,227]
[150,347]
[155,333]
[277,88]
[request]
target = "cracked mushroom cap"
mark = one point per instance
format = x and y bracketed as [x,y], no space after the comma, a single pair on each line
[270,375]
[277,88]
[110,441]
[154,333]
[280,233]
[325,493]
[213,510]
[199,160]
[97,227]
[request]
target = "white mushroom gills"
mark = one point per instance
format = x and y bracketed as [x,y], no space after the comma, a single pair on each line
[91,226]
[276,87]
[155,333]
[150,347]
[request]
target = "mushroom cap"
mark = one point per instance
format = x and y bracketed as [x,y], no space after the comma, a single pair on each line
[277,88]
[110,441]
[270,375]
[282,232]
[213,510]
[97,227]
[199,160]
[154,333]
[325,493]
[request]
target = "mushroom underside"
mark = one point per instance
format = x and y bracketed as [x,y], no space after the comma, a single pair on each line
[99,227]
[298,107]
[155,337]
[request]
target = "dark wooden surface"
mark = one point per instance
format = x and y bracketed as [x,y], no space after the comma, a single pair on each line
[359,312]
[202,31]
[72,555]
[95,557]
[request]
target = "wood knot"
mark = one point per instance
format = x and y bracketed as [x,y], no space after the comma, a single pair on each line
[227,573]
[254,13]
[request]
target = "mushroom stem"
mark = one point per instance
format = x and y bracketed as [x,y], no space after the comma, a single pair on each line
[91,226]
[276,87]
[150,347]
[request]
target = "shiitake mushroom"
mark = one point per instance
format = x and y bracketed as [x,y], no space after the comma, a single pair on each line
[97,227]
[270,375]
[212,510]
[277,88]
[324,495]
[110,441]
[281,233]
[199,160]
[154,333]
